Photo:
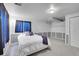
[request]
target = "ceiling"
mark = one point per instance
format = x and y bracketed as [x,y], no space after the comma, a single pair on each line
[37,11]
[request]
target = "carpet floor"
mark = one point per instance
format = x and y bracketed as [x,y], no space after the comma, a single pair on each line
[58,48]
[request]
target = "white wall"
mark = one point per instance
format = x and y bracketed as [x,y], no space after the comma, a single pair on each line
[40,26]
[37,26]
[58,27]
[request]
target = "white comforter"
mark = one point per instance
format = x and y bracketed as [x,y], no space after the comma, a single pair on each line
[26,40]
[27,45]
[24,50]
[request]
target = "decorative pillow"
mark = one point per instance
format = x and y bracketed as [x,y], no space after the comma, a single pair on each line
[45,40]
[31,33]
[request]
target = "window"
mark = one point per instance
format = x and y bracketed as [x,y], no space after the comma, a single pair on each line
[23,26]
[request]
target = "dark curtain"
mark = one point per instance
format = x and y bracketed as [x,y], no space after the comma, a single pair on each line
[4,27]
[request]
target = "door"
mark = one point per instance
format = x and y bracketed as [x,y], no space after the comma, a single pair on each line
[74,31]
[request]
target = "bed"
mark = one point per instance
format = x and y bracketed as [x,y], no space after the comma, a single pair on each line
[23,45]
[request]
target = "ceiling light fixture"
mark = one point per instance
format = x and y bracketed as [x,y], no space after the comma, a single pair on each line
[51,10]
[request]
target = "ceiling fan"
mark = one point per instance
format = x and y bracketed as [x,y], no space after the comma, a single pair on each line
[18,4]
[59,19]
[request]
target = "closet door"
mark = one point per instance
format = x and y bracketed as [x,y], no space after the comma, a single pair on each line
[74,31]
